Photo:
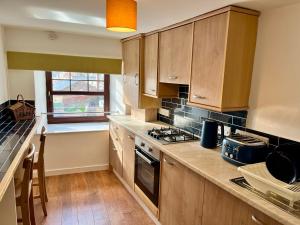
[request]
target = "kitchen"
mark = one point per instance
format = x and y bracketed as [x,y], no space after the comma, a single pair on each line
[220,78]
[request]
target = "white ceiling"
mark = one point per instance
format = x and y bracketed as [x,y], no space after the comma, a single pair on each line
[88,16]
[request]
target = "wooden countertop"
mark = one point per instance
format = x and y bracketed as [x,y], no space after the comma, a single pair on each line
[207,163]
[10,172]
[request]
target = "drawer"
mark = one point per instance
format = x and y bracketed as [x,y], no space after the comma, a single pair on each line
[116,134]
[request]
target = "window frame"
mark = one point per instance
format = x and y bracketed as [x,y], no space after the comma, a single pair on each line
[77,119]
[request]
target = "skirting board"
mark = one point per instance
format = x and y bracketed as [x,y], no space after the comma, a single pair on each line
[83,169]
[149,213]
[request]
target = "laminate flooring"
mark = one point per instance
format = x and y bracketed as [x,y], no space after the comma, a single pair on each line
[93,198]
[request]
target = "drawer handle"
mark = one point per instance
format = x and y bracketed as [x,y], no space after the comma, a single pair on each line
[173,77]
[130,137]
[136,79]
[257,221]
[153,90]
[199,97]
[168,162]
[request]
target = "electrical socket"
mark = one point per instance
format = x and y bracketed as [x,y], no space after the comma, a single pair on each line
[227,130]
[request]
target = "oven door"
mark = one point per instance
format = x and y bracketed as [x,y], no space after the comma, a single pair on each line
[147,174]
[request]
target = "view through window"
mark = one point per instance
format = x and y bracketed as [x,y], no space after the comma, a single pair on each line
[77,97]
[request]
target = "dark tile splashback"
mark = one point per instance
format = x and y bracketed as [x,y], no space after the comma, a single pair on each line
[191,118]
[12,136]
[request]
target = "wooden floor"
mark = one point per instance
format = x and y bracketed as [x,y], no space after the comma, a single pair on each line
[94,198]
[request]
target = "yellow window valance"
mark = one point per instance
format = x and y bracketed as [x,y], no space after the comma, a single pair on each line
[52,62]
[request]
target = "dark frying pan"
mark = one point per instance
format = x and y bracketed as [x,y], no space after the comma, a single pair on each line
[284,163]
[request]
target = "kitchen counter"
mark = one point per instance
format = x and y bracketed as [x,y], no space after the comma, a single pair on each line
[207,163]
[15,138]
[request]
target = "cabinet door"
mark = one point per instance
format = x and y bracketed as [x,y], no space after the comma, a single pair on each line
[175,54]
[220,207]
[128,158]
[150,67]
[115,157]
[254,217]
[131,70]
[208,63]
[181,194]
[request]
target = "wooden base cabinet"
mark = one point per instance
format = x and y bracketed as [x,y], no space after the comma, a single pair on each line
[115,157]
[181,194]
[128,158]
[121,152]
[220,207]
[223,54]
[186,198]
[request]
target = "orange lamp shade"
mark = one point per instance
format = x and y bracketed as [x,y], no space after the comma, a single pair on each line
[121,15]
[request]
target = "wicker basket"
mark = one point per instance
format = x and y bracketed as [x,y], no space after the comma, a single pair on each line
[22,110]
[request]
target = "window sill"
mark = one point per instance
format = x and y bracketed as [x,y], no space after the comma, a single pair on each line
[77,127]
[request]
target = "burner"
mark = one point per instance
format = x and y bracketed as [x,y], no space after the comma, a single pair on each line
[168,135]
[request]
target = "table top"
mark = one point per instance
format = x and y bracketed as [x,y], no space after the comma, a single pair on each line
[14,139]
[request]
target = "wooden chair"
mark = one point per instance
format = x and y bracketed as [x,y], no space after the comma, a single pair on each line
[24,196]
[39,165]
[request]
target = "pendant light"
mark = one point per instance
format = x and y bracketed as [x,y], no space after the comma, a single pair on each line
[121,15]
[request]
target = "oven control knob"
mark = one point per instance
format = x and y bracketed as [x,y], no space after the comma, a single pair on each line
[150,150]
[226,153]
[231,156]
[142,144]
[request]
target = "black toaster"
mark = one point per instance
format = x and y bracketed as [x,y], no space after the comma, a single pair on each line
[242,149]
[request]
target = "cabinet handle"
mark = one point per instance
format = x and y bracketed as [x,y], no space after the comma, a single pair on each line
[257,221]
[153,90]
[199,97]
[168,162]
[117,139]
[172,77]
[136,80]
[130,137]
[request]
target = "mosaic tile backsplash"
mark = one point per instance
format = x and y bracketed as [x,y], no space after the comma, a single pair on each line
[190,118]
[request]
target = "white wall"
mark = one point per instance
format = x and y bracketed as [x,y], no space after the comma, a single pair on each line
[116,94]
[275,92]
[3,69]
[26,40]
[40,92]
[21,82]
[75,152]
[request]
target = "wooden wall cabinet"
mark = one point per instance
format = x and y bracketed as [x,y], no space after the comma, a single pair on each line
[151,65]
[181,194]
[152,87]
[175,54]
[223,54]
[133,74]
[220,207]
[131,71]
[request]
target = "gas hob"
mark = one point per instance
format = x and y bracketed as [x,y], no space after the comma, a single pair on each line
[170,135]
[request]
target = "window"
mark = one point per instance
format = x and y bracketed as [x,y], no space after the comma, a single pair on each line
[77,97]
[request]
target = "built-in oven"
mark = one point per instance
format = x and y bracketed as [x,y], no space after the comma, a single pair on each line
[147,169]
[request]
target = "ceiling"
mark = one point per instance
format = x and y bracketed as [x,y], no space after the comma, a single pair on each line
[88,16]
